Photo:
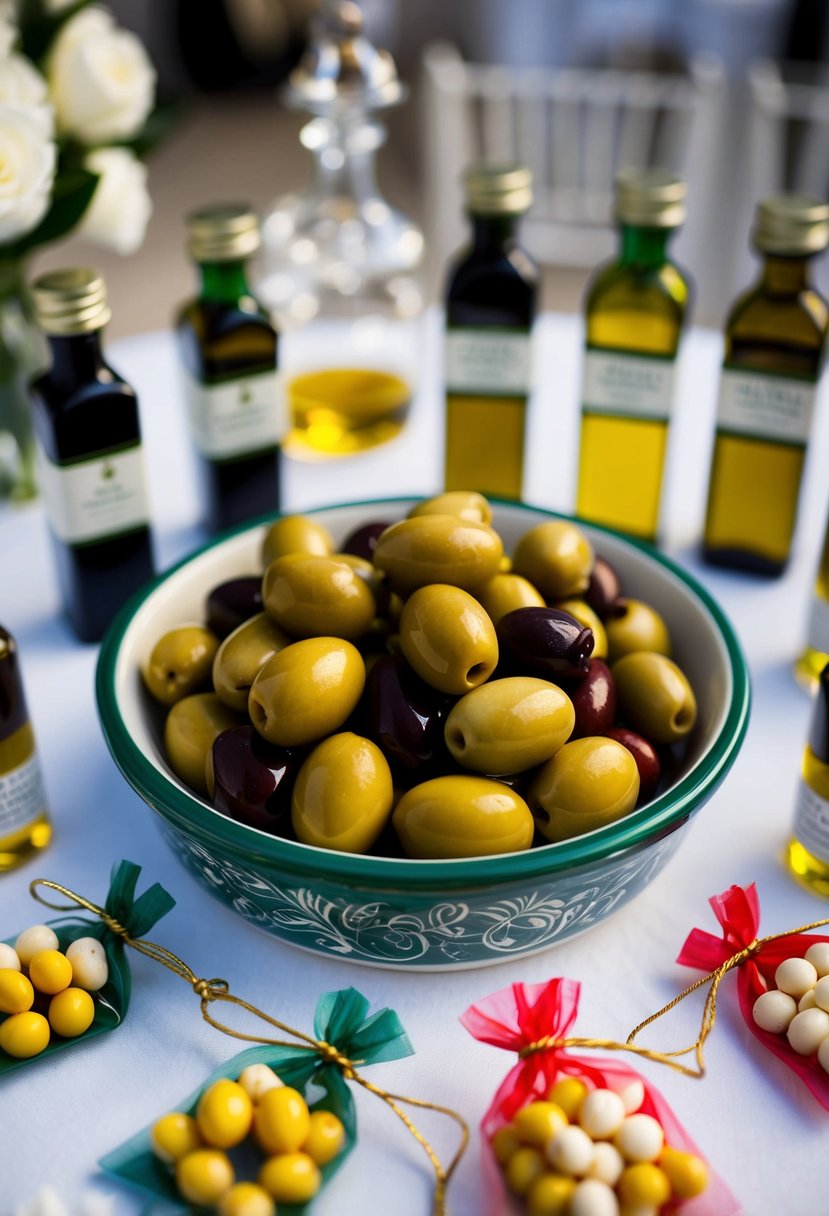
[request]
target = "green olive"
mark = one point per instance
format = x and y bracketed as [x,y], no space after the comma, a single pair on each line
[306,691]
[637,627]
[438,549]
[241,655]
[447,638]
[556,557]
[464,504]
[310,596]
[588,783]
[462,816]
[191,728]
[343,794]
[585,615]
[654,696]
[504,592]
[296,534]
[367,572]
[180,663]
[507,726]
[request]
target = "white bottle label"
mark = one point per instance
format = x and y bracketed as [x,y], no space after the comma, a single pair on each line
[238,416]
[488,362]
[631,385]
[95,498]
[22,797]
[811,822]
[766,407]
[817,635]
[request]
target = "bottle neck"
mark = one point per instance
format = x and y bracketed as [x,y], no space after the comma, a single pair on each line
[224,282]
[76,357]
[344,154]
[785,276]
[493,232]
[646,247]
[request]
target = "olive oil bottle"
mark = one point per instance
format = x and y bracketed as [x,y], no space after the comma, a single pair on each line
[24,819]
[816,655]
[774,346]
[90,462]
[635,311]
[228,354]
[807,855]
[490,310]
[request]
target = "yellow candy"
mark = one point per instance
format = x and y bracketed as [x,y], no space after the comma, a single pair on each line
[224,1114]
[504,1143]
[174,1135]
[539,1122]
[71,1012]
[50,971]
[24,1035]
[524,1166]
[204,1176]
[687,1173]
[325,1138]
[568,1093]
[247,1199]
[281,1121]
[291,1177]
[550,1195]
[644,1184]
[16,992]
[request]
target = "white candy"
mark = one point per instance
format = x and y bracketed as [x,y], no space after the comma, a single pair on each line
[632,1095]
[593,1198]
[818,956]
[795,976]
[9,960]
[257,1079]
[90,969]
[774,1010]
[823,1054]
[807,1030]
[639,1138]
[36,937]
[807,1001]
[821,993]
[570,1151]
[607,1163]
[601,1113]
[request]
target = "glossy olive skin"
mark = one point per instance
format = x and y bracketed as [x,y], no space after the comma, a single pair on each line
[636,626]
[545,642]
[587,784]
[180,663]
[251,780]
[363,541]
[591,620]
[655,697]
[190,730]
[464,504]
[556,557]
[604,590]
[295,534]
[232,603]
[646,757]
[306,691]
[343,795]
[406,718]
[362,567]
[242,655]
[448,638]
[505,592]
[508,726]
[462,816]
[594,701]
[310,596]
[438,549]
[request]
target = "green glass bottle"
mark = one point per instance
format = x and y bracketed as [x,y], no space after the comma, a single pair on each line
[24,819]
[774,346]
[635,311]
[807,854]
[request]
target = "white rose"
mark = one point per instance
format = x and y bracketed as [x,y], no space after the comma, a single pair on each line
[27,169]
[101,80]
[21,82]
[120,208]
[8,29]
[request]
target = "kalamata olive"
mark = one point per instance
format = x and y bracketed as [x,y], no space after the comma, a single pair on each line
[585,615]
[310,596]
[252,780]
[448,638]
[545,642]
[462,816]
[465,504]
[507,726]
[654,696]
[232,603]
[242,655]
[180,663]
[343,795]
[556,557]
[189,732]
[295,534]
[438,549]
[604,589]
[362,541]
[594,701]
[636,626]
[587,784]
[504,592]
[306,691]
[645,755]
[406,716]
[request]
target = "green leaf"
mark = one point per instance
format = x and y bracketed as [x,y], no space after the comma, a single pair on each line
[38,26]
[165,116]
[72,195]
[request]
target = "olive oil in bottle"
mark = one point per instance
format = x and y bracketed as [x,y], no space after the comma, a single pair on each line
[635,310]
[490,309]
[774,345]
[90,462]
[228,354]
[807,854]
[24,818]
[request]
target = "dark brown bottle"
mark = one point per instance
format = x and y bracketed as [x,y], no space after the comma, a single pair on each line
[228,351]
[24,818]
[90,458]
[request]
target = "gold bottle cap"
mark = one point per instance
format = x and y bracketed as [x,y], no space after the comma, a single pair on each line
[791,224]
[650,198]
[498,189]
[223,232]
[71,301]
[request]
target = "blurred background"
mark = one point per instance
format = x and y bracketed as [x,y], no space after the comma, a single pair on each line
[732,93]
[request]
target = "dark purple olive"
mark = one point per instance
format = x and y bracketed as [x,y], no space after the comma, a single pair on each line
[232,603]
[361,541]
[406,718]
[604,590]
[253,779]
[647,761]
[594,700]
[545,642]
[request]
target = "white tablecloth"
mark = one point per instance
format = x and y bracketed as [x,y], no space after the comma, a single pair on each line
[753,1119]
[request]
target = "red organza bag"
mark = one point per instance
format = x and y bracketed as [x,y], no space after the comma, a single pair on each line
[524,1014]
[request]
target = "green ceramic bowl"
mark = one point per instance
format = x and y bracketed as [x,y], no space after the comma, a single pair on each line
[423,914]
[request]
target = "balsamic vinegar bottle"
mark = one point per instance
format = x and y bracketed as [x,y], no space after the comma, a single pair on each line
[90,461]
[807,855]
[24,818]
[228,354]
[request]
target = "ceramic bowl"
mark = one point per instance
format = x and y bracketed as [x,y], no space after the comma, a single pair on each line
[424,914]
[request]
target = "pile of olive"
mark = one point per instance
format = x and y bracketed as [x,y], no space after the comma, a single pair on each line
[420,690]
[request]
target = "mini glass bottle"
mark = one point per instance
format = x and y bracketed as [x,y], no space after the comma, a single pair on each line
[90,461]
[807,854]
[490,310]
[24,818]
[228,353]
[774,345]
[635,311]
